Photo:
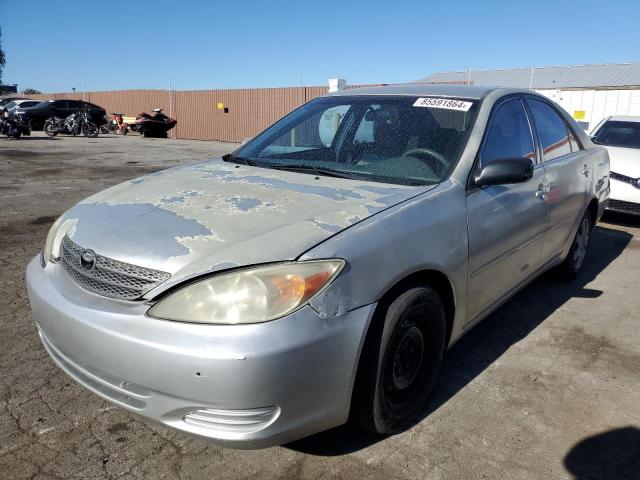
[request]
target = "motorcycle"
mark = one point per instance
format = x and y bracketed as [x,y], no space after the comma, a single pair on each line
[75,124]
[13,125]
[115,125]
[154,125]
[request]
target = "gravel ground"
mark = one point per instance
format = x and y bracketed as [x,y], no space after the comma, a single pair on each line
[547,387]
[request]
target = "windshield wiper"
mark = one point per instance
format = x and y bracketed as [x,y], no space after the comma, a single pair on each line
[317,170]
[236,159]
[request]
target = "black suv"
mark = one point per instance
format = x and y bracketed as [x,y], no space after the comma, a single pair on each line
[37,114]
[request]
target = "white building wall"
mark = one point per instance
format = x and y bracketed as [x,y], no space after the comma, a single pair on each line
[596,104]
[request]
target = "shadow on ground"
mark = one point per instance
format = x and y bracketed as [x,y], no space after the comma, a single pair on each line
[610,455]
[28,139]
[622,219]
[486,342]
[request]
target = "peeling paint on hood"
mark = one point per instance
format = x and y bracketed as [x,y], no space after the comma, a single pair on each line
[215,215]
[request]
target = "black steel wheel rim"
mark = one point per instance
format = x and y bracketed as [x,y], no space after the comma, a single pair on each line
[407,364]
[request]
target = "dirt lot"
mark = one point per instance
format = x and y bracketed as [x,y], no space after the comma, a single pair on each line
[547,387]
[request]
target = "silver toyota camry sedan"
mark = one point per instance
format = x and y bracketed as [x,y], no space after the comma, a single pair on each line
[320,272]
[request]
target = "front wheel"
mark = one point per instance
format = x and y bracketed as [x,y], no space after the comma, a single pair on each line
[90,130]
[572,265]
[400,362]
[50,129]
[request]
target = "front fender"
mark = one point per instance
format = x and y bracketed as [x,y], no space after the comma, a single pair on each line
[428,232]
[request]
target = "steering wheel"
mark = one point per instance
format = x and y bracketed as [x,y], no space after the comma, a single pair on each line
[442,163]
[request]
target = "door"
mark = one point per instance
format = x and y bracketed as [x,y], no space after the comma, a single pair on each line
[568,170]
[506,223]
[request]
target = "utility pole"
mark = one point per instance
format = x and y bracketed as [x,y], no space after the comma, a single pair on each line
[531,80]
[170,107]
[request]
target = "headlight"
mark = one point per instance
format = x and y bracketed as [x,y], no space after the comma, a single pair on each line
[249,296]
[51,250]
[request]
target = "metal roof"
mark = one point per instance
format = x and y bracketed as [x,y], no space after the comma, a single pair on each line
[570,76]
[458,91]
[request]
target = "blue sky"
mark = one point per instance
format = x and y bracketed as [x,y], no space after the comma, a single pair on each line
[56,45]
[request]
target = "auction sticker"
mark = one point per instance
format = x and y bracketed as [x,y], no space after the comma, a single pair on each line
[446,103]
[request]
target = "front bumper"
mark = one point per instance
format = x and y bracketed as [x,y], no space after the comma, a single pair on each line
[624,198]
[252,385]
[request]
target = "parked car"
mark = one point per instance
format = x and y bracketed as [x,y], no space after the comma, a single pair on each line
[38,114]
[320,272]
[24,103]
[6,99]
[621,137]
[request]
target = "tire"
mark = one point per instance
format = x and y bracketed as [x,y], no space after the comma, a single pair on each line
[574,262]
[89,130]
[400,362]
[49,129]
[104,129]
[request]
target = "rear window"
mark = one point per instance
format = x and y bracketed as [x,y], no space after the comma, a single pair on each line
[616,133]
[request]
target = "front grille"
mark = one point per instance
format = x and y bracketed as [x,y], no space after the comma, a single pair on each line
[625,207]
[109,278]
[624,178]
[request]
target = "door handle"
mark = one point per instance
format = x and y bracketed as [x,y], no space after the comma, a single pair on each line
[585,170]
[542,191]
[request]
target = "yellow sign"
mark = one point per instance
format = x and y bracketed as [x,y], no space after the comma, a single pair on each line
[220,106]
[579,114]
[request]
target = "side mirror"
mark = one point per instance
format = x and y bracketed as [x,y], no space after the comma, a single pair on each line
[504,171]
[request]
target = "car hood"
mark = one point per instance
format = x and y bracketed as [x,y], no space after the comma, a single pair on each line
[625,161]
[215,215]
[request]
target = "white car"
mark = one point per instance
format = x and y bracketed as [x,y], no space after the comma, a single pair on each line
[621,137]
[13,105]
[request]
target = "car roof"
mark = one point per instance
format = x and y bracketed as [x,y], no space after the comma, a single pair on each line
[624,118]
[417,89]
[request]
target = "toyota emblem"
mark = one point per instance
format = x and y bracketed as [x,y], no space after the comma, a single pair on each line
[88,259]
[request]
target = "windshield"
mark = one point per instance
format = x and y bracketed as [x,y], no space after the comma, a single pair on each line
[616,133]
[393,139]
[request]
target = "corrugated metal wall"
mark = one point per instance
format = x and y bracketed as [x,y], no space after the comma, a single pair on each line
[249,110]
[595,105]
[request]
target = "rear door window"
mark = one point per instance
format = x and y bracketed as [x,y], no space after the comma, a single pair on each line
[552,130]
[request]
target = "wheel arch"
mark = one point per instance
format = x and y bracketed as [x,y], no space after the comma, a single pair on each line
[433,278]
[593,209]
[436,279]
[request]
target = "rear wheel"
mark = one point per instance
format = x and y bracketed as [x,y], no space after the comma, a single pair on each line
[572,265]
[89,130]
[400,362]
